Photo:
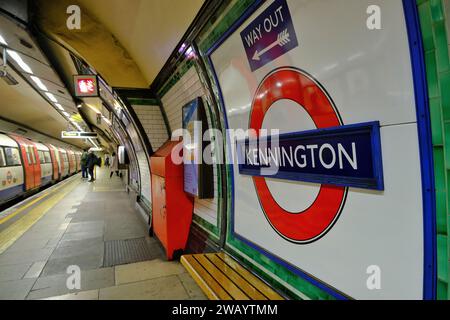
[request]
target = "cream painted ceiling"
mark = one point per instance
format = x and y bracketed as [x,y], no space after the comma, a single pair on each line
[22,104]
[128,42]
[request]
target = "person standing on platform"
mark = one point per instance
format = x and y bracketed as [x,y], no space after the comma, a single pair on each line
[114,165]
[91,162]
[84,168]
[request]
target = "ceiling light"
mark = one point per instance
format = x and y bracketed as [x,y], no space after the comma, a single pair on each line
[59,106]
[19,61]
[3,41]
[39,83]
[66,114]
[51,97]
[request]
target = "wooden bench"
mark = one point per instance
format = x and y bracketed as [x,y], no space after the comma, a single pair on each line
[223,278]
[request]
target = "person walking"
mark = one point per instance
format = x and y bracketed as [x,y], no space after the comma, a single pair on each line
[114,165]
[107,164]
[84,168]
[91,162]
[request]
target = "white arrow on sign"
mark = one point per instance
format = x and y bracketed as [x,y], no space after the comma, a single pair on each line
[282,40]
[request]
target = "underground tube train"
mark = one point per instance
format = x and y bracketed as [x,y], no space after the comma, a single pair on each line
[26,166]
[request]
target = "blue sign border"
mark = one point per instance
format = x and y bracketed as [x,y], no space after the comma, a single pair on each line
[425,146]
[373,128]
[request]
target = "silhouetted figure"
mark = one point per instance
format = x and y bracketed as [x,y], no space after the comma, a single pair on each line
[115,165]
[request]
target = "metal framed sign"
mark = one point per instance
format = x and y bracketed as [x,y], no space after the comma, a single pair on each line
[78,135]
[86,85]
[359,193]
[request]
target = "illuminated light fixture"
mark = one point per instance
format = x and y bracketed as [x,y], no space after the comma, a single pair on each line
[19,61]
[66,114]
[60,107]
[51,97]
[39,83]
[3,41]
[93,143]
[106,120]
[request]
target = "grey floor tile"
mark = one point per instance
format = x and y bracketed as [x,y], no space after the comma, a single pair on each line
[164,288]
[25,244]
[95,249]
[55,285]
[15,290]
[86,226]
[80,243]
[59,266]
[83,235]
[24,256]
[13,272]
[191,287]
[35,270]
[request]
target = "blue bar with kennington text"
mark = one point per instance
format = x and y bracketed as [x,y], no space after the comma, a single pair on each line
[347,156]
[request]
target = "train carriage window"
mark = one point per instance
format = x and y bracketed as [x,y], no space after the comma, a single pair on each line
[2,158]
[33,157]
[41,156]
[29,159]
[48,158]
[12,156]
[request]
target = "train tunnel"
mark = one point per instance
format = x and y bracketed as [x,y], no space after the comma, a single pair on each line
[224,150]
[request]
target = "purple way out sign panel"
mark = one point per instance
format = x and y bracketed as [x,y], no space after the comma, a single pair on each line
[270,35]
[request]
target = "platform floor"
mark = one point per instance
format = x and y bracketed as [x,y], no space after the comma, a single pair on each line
[72,226]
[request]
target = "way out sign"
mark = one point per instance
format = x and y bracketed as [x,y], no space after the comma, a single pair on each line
[270,35]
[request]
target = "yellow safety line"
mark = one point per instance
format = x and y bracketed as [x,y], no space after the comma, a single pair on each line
[27,205]
[18,228]
[21,209]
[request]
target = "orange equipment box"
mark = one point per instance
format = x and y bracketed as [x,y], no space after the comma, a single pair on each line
[171,206]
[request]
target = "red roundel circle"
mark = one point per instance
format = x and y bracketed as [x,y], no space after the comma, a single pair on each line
[314,222]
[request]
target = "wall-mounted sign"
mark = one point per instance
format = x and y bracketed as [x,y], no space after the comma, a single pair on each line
[78,135]
[347,156]
[269,36]
[86,85]
[329,231]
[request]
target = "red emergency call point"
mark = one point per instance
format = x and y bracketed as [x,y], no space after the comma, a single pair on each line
[86,85]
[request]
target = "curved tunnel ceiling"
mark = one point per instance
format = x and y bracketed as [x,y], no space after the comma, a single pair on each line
[127,42]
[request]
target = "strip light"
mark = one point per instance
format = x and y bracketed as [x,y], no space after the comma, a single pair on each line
[60,107]
[51,97]
[3,41]
[19,61]
[39,83]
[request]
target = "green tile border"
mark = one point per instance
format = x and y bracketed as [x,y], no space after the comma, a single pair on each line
[436,47]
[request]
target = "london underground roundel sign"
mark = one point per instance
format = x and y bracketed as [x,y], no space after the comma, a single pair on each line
[313,223]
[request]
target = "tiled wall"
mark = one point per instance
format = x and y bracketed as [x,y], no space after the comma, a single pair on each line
[153,123]
[435,20]
[185,90]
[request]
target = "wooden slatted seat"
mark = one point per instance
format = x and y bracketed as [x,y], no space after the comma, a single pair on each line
[223,278]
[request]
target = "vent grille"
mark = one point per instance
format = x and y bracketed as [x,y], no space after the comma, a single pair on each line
[119,252]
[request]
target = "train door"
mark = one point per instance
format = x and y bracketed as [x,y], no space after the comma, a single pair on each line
[64,162]
[72,163]
[55,164]
[27,162]
[36,164]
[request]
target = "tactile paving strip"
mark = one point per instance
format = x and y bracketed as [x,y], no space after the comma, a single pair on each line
[119,252]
